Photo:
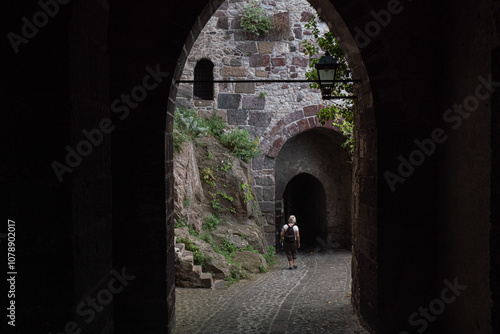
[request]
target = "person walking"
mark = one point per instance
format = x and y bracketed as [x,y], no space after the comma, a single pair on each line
[290,233]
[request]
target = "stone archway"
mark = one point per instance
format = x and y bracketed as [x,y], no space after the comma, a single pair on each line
[318,153]
[305,198]
[303,120]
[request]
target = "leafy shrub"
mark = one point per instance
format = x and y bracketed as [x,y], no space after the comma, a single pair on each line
[187,126]
[216,125]
[241,145]
[211,222]
[207,174]
[269,256]
[254,19]
[235,275]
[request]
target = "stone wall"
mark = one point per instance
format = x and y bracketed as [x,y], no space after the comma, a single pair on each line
[273,113]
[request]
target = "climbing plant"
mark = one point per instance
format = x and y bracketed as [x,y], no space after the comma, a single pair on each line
[339,112]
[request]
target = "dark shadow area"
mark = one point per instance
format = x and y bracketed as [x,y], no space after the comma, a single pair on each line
[305,198]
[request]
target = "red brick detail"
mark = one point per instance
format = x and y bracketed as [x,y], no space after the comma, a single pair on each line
[300,61]
[295,116]
[278,143]
[293,129]
[280,125]
[273,152]
[303,125]
[278,61]
[311,110]
[312,122]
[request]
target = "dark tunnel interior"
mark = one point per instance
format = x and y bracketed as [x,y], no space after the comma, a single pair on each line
[305,198]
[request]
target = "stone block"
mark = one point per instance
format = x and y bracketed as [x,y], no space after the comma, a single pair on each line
[264,181]
[311,110]
[237,117]
[261,74]
[303,125]
[233,72]
[235,62]
[298,33]
[185,90]
[278,143]
[269,163]
[236,23]
[266,47]
[268,193]
[295,116]
[278,61]
[203,103]
[261,119]
[223,23]
[282,48]
[258,60]
[245,87]
[305,16]
[254,102]
[229,101]
[266,206]
[247,47]
[300,61]
[293,129]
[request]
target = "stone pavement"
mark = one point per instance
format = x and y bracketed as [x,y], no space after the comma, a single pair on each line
[315,298]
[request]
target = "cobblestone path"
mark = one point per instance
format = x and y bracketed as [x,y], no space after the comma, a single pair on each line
[315,298]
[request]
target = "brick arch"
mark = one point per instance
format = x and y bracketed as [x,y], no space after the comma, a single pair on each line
[292,125]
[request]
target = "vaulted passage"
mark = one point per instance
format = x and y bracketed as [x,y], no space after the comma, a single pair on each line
[306,199]
[313,182]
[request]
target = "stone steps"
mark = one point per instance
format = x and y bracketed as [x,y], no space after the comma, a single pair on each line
[187,273]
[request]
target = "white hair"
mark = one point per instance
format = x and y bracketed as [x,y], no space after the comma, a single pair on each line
[292,219]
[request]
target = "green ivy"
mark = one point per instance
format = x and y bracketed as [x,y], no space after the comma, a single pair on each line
[339,112]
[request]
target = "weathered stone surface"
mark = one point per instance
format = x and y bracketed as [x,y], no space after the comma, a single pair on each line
[305,16]
[254,102]
[311,110]
[261,74]
[278,61]
[233,71]
[261,119]
[237,117]
[229,101]
[188,190]
[298,33]
[243,235]
[251,261]
[235,62]
[258,60]
[247,47]
[223,23]
[245,87]
[203,103]
[266,47]
[300,61]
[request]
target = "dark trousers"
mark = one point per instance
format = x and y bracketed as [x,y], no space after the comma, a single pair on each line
[291,250]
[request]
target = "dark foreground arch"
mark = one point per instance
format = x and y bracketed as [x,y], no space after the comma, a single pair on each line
[113,212]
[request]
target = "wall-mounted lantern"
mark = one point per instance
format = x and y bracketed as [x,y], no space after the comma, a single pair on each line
[327,72]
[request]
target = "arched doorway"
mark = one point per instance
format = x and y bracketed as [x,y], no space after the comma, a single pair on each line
[305,198]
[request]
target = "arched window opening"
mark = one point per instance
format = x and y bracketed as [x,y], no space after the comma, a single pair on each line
[203,76]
